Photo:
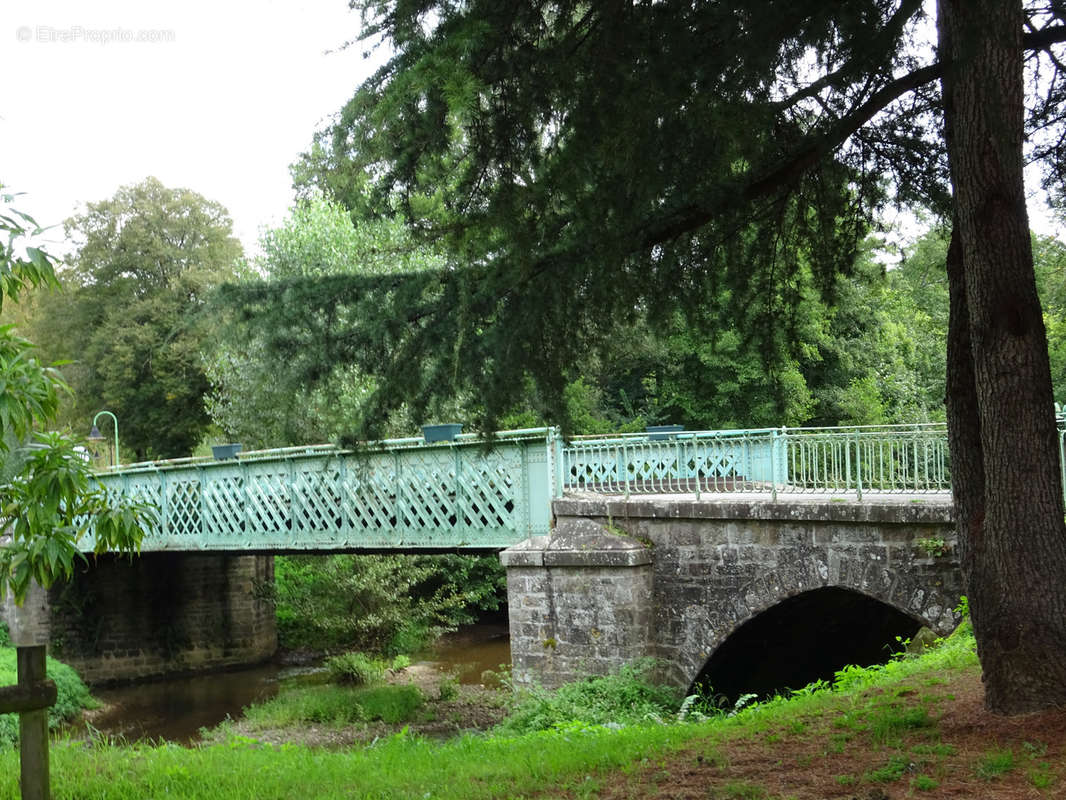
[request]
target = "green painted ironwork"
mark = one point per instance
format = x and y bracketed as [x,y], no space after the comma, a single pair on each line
[901,459]
[691,462]
[472,495]
[400,494]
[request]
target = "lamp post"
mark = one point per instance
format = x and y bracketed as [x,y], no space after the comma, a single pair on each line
[96,436]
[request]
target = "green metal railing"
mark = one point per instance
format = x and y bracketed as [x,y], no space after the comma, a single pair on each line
[404,494]
[395,494]
[897,458]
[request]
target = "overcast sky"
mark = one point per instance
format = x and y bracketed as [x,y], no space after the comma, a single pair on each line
[217,96]
[220,98]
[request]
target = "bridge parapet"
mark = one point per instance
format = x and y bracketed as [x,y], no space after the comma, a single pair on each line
[770,461]
[396,494]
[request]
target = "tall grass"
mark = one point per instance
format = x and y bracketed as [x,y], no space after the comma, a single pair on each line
[624,697]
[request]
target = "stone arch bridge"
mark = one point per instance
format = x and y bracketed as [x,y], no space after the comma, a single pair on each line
[676,579]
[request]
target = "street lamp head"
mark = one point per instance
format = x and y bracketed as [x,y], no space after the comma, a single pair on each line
[95,435]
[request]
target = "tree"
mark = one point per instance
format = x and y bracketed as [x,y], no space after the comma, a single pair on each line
[129,316]
[49,501]
[263,402]
[585,164]
[1008,496]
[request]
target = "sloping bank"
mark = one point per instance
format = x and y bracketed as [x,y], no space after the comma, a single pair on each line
[881,722]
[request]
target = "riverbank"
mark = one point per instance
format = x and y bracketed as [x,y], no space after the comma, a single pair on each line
[446,709]
[915,728]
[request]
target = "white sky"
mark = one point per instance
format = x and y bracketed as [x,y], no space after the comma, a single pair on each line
[222,105]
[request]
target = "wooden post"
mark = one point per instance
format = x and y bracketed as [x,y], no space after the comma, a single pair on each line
[33,727]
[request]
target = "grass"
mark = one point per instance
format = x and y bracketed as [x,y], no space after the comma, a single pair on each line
[335,705]
[994,763]
[358,669]
[889,733]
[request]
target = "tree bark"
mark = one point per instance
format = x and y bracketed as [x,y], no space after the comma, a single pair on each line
[1012,534]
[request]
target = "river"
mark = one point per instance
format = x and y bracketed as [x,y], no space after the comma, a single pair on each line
[175,709]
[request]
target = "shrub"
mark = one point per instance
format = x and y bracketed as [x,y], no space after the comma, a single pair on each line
[624,697]
[357,669]
[388,604]
[73,695]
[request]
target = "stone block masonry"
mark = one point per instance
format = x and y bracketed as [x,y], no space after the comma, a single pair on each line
[673,578]
[163,614]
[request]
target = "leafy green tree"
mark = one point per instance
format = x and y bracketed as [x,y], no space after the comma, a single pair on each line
[129,317]
[585,164]
[49,500]
[263,401]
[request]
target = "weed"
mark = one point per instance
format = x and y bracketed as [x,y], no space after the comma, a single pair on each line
[623,697]
[449,688]
[847,780]
[1041,777]
[357,669]
[923,783]
[1035,750]
[995,763]
[892,771]
[400,662]
[932,546]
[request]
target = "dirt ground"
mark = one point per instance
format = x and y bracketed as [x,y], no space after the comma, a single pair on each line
[966,752]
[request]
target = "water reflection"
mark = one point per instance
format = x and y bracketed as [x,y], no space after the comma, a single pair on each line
[472,651]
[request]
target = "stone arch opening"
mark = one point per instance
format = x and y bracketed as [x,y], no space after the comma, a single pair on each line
[802,639]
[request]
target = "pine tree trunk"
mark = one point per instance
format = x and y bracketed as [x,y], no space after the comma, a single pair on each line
[1012,533]
[964,426]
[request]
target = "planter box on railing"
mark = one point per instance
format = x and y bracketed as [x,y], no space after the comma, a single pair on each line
[441,433]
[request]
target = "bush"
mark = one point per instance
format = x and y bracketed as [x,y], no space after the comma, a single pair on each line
[357,669]
[73,695]
[5,636]
[624,697]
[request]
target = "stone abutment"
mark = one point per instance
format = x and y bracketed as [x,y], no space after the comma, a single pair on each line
[672,578]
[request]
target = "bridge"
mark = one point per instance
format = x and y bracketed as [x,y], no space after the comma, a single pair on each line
[669,544]
[479,495]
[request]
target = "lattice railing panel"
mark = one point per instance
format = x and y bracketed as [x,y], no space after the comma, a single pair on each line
[410,496]
[183,517]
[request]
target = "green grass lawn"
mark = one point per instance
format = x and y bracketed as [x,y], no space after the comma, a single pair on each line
[569,758]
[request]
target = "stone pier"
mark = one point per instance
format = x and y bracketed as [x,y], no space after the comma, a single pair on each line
[672,578]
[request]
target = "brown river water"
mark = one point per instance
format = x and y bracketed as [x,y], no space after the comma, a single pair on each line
[174,709]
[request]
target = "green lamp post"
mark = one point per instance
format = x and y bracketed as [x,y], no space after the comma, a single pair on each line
[96,436]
